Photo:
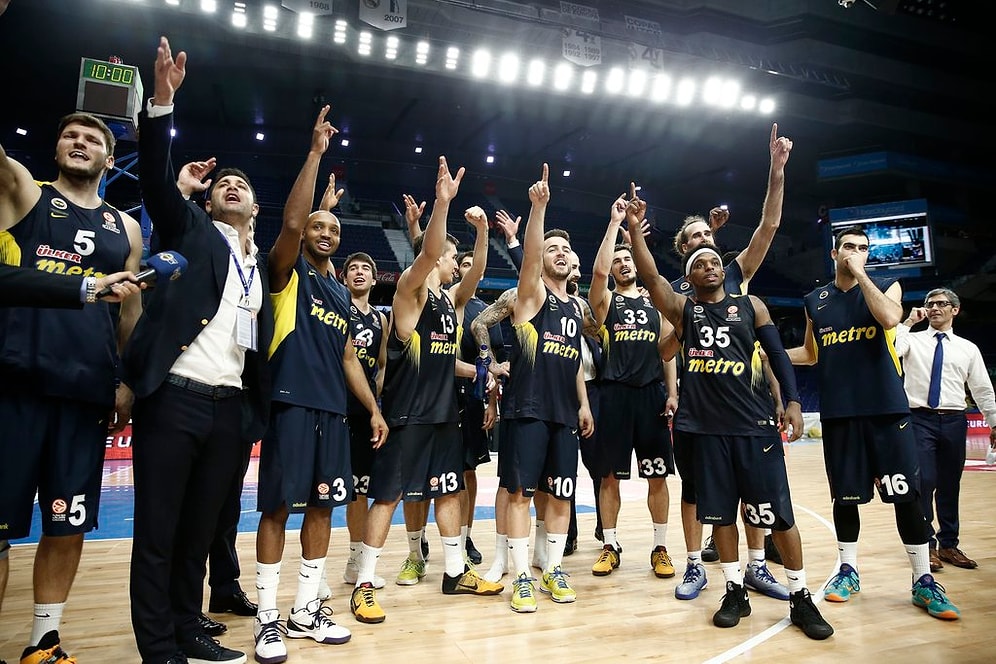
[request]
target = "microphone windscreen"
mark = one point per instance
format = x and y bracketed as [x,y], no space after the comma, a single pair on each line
[167,264]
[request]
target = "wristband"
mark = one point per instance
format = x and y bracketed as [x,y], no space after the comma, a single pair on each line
[91,289]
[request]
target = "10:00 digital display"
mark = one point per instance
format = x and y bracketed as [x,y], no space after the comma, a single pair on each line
[105,71]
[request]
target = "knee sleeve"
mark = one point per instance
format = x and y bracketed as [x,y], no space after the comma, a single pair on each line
[911,523]
[846,522]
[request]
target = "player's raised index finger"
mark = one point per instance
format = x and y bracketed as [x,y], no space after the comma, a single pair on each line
[545,177]
[321,114]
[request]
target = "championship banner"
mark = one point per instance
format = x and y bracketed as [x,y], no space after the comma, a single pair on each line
[384,14]
[642,57]
[634,24]
[580,12]
[316,7]
[582,48]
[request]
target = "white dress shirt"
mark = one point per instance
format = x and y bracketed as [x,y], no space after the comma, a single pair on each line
[962,366]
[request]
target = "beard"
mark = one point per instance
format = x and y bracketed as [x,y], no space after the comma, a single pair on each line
[572,287]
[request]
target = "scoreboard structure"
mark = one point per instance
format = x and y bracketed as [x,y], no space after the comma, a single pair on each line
[113,92]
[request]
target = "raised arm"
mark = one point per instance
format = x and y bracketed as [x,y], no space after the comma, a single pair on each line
[531,290]
[18,191]
[287,247]
[598,294]
[665,299]
[510,228]
[465,290]
[750,259]
[331,196]
[413,213]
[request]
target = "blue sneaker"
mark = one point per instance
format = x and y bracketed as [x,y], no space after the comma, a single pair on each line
[759,578]
[692,583]
[844,584]
[929,594]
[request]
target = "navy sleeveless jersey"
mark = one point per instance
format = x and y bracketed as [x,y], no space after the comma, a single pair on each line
[723,391]
[64,353]
[368,333]
[859,371]
[546,355]
[419,383]
[630,335]
[311,325]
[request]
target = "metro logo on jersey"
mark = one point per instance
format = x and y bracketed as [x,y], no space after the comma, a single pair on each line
[851,334]
[330,318]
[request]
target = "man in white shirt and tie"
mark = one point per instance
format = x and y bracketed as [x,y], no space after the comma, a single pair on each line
[937,365]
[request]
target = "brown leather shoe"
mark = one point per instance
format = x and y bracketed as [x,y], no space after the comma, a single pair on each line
[935,562]
[956,557]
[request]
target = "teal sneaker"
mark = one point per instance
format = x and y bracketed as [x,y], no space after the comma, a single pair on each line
[929,594]
[844,584]
[554,583]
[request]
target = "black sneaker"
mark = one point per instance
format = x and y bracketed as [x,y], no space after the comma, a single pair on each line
[735,606]
[210,626]
[570,547]
[709,553]
[203,650]
[771,551]
[804,613]
[472,553]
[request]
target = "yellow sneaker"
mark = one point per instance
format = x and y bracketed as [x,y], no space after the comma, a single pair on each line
[607,561]
[523,597]
[48,651]
[364,606]
[661,563]
[555,584]
[412,571]
[469,583]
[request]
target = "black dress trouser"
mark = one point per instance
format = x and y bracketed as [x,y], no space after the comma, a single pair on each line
[187,450]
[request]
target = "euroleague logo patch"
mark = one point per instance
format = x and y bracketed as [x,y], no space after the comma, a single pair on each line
[110,223]
[323,491]
[59,506]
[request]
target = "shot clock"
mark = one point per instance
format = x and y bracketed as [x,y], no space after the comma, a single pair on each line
[111,91]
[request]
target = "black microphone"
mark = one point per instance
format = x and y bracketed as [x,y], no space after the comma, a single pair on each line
[164,265]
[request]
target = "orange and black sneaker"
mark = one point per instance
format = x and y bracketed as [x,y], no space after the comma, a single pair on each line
[48,651]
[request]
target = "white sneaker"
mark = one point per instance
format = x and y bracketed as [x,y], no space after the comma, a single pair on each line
[352,571]
[313,622]
[266,629]
[496,572]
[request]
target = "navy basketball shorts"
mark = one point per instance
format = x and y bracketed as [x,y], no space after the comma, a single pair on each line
[684,460]
[55,447]
[304,460]
[540,456]
[631,421]
[730,470]
[476,441]
[590,456]
[361,452]
[418,462]
[873,452]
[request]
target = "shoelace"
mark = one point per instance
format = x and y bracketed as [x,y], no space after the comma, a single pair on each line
[762,572]
[692,574]
[605,556]
[936,591]
[559,577]
[409,565]
[524,586]
[367,597]
[269,633]
[322,618]
[842,579]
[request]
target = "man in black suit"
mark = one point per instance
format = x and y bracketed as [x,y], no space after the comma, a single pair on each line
[27,287]
[197,366]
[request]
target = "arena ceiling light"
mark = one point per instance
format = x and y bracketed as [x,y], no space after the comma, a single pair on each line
[480,63]
[508,68]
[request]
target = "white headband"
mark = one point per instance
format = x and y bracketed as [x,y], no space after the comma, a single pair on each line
[695,254]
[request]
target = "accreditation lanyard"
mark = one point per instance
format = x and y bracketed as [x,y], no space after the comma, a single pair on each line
[245,320]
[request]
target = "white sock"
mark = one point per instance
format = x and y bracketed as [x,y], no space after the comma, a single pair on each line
[919,555]
[660,534]
[48,617]
[267,580]
[755,556]
[452,556]
[609,537]
[354,552]
[732,572]
[518,554]
[309,577]
[555,543]
[796,579]
[415,545]
[695,557]
[500,563]
[366,564]
[848,552]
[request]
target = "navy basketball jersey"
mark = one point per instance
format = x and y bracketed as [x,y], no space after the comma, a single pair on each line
[63,353]
[858,369]
[723,391]
[419,383]
[734,281]
[630,335]
[368,333]
[546,355]
[311,325]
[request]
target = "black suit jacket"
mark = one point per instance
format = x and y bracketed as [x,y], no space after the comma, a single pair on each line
[177,311]
[27,287]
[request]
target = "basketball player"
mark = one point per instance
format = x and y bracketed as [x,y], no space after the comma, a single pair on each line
[58,367]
